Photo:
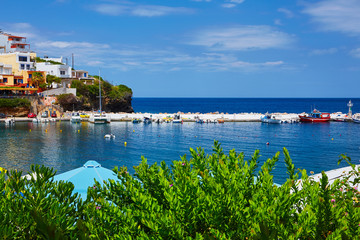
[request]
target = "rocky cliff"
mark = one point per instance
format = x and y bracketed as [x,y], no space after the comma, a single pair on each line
[114,98]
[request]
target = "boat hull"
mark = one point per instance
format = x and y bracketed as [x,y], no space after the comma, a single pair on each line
[272,121]
[356,120]
[313,120]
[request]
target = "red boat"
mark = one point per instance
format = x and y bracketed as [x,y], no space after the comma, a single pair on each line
[315,116]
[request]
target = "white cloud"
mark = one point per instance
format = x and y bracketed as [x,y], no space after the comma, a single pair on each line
[336,15]
[241,38]
[324,51]
[231,3]
[228,5]
[288,13]
[355,52]
[139,10]
[278,22]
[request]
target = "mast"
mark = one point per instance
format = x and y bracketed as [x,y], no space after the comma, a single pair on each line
[100,92]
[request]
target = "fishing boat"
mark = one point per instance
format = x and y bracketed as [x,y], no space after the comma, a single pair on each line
[268,118]
[315,116]
[100,117]
[75,117]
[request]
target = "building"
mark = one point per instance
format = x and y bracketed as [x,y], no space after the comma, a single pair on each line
[58,70]
[83,76]
[10,43]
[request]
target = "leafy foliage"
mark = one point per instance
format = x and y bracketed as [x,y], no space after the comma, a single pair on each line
[15,102]
[38,59]
[218,196]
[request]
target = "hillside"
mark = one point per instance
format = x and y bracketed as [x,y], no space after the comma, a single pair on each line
[114,98]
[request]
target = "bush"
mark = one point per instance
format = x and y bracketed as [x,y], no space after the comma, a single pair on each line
[214,196]
[13,103]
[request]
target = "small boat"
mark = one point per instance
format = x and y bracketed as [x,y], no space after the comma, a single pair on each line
[339,118]
[35,120]
[109,136]
[315,116]
[147,120]
[101,118]
[199,120]
[75,117]
[356,119]
[9,121]
[221,120]
[177,119]
[268,118]
[136,120]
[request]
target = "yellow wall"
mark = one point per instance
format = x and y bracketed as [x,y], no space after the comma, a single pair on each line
[10,59]
[10,80]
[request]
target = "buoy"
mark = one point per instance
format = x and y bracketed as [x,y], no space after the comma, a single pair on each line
[332,139]
[267,143]
[125,143]
[60,130]
[29,130]
[45,130]
[78,131]
[133,130]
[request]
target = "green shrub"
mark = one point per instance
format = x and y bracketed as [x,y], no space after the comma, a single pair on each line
[218,196]
[15,102]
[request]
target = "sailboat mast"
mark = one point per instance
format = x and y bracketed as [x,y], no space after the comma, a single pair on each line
[100,92]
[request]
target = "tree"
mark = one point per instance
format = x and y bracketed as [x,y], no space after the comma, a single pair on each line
[37,79]
[50,79]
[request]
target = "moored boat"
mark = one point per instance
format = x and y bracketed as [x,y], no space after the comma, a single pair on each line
[177,119]
[356,118]
[268,118]
[75,117]
[315,116]
[99,118]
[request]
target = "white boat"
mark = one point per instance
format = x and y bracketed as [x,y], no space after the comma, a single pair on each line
[356,119]
[177,119]
[100,117]
[75,117]
[268,118]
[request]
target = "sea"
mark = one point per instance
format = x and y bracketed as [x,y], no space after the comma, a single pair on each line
[65,146]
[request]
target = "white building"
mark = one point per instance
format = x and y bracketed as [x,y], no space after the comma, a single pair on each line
[58,70]
[10,43]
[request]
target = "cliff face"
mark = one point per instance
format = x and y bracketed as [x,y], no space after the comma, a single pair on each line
[114,98]
[15,111]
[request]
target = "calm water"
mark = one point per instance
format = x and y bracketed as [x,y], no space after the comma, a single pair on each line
[310,145]
[238,105]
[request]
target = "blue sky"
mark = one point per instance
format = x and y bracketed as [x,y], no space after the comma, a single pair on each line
[202,48]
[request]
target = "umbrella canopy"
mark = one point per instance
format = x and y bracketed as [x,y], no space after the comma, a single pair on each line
[83,177]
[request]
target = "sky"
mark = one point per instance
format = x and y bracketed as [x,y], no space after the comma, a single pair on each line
[201,48]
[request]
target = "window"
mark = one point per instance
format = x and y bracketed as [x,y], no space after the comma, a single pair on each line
[62,72]
[4,80]
[22,59]
[22,66]
[30,75]
[20,81]
[27,66]
[84,74]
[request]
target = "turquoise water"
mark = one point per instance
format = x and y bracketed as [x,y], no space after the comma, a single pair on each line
[64,146]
